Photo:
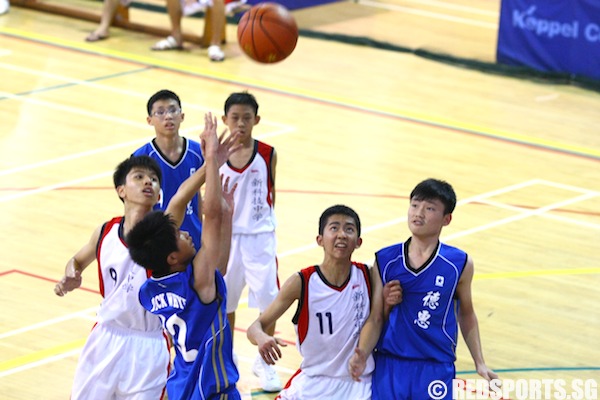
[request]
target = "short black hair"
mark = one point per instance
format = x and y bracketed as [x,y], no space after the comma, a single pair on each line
[144,162]
[435,189]
[162,95]
[151,241]
[338,209]
[241,98]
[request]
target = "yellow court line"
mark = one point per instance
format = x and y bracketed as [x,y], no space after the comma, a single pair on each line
[40,355]
[345,101]
[543,272]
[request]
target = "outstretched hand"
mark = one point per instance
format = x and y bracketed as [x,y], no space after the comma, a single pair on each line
[69,282]
[228,195]
[208,137]
[269,349]
[227,146]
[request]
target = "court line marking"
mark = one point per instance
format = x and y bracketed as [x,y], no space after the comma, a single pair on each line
[48,322]
[33,359]
[79,82]
[549,216]
[75,110]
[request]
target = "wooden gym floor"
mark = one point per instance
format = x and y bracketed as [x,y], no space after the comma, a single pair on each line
[351,125]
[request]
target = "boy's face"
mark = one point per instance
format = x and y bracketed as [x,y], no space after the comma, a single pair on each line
[426,217]
[185,249]
[141,186]
[240,120]
[340,237]
[165,117]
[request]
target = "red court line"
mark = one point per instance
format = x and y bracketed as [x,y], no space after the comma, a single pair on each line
[29,274]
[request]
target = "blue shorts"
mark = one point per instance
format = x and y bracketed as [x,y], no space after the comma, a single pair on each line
[401,379]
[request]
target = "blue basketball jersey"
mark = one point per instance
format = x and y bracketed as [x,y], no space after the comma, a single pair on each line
[424,325]
[203,366]
[173,175]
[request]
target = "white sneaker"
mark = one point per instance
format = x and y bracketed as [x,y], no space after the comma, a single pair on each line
[192,8]
[215,53]
[236,6]
[4,6]
[269,380]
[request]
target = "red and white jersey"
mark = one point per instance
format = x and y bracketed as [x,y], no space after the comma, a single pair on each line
[120,282]
[254,209]
[329,319]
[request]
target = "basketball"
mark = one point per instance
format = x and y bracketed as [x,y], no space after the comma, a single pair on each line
[267,33]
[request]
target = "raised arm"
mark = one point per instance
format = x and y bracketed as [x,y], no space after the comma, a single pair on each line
[77,264]
[226,225]
[205,262]
[468,321]
[226,146]
[268,346]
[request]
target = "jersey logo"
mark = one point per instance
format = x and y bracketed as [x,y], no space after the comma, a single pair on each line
[439,281]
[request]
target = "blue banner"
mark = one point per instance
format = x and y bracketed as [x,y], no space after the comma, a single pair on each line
[551,35]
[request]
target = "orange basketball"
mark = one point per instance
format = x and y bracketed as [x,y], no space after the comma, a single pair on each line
[267,33]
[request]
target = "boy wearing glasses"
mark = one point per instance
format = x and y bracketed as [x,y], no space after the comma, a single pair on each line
[177,156]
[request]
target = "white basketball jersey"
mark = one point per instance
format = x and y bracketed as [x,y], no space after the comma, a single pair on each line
[329,320]
[120,282]
[254,212]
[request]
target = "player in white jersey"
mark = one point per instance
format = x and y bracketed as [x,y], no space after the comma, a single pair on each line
[126,355]
[334,300]
[253,259]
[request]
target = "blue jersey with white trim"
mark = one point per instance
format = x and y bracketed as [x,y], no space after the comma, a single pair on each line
[424,325]
[203,365]
[173,175]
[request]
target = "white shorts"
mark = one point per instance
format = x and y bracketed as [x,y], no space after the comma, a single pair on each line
[304,387]
[252,261]
[118,363]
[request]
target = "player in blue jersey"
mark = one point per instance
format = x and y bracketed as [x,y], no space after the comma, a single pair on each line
[187,290]
[427,295]
[177,156]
